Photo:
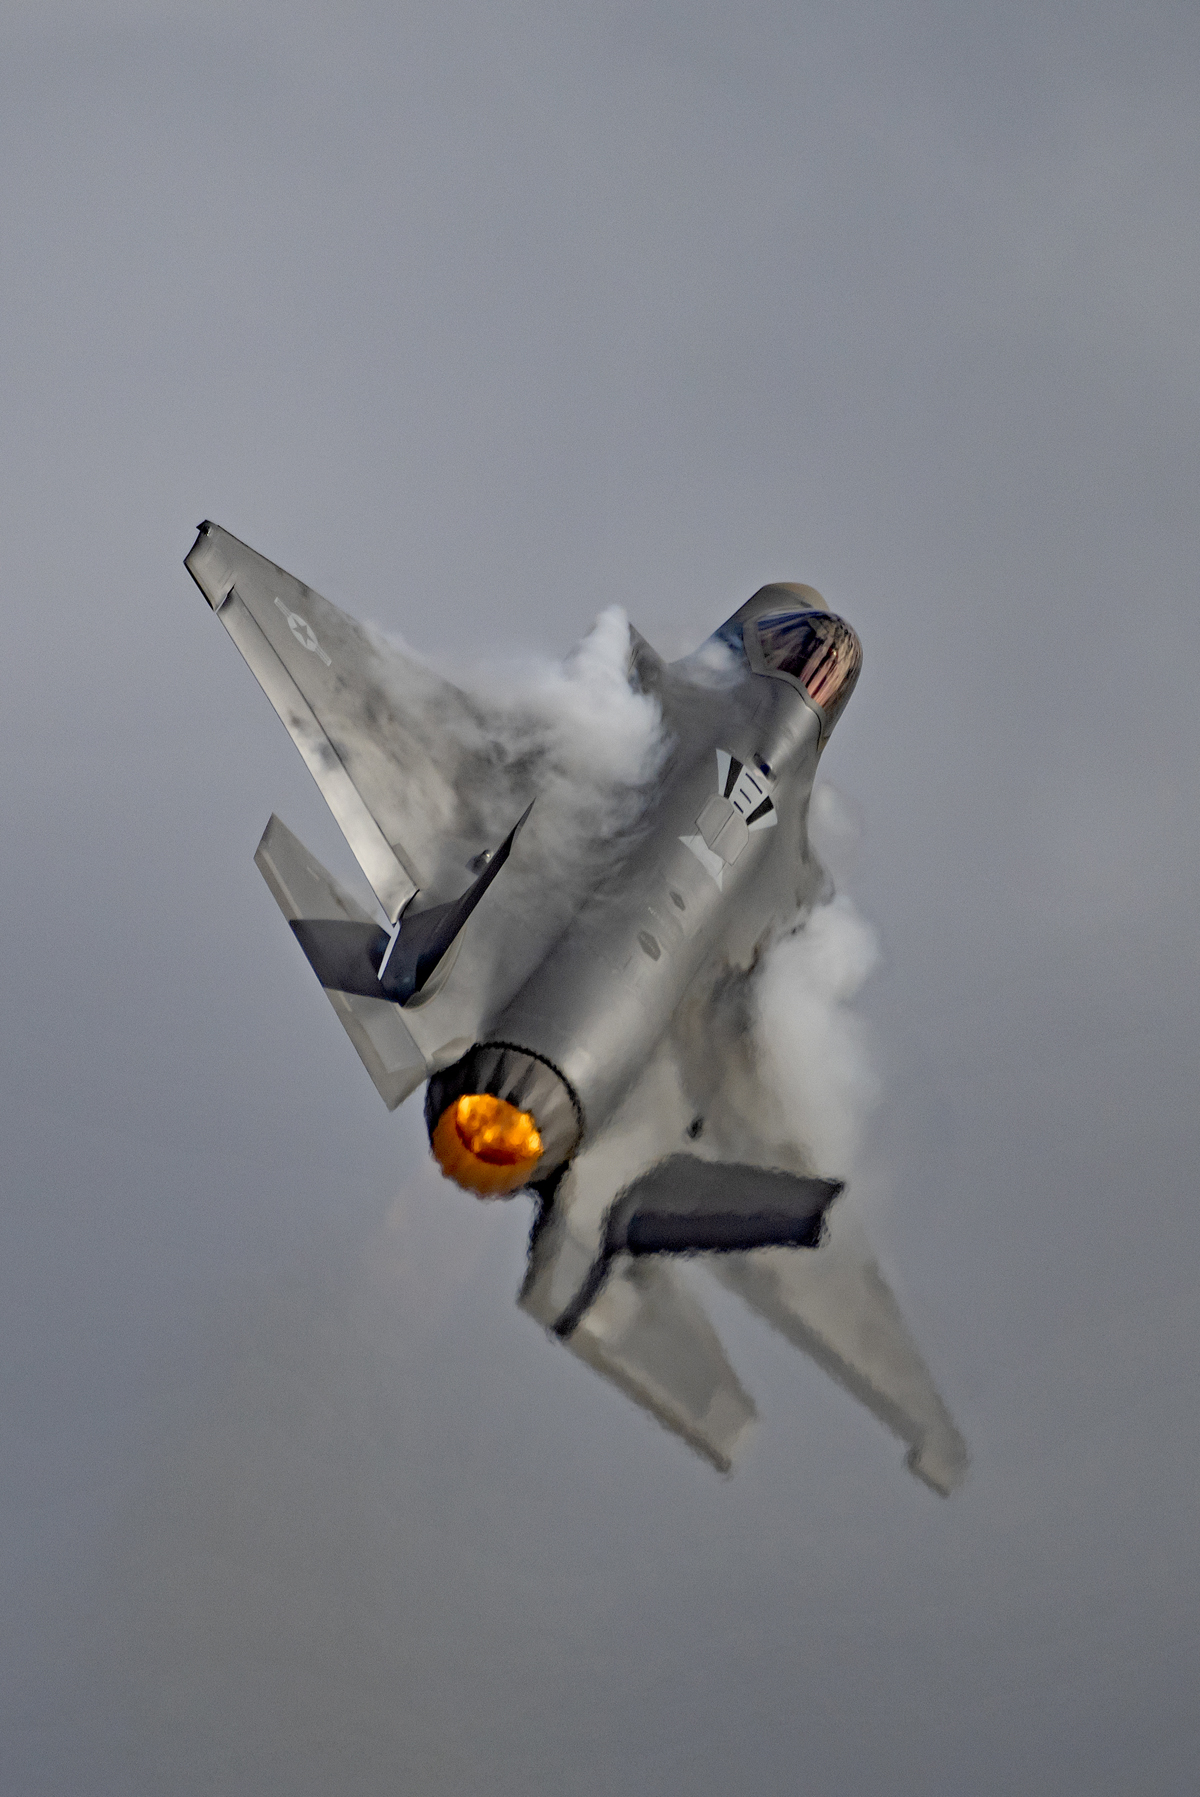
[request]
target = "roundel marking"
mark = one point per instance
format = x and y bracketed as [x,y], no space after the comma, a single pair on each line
[303,632]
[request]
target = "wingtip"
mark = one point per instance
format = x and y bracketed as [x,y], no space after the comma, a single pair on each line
[940,1465]
[207,563]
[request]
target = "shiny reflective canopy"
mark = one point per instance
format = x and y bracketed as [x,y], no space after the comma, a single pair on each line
[818,650]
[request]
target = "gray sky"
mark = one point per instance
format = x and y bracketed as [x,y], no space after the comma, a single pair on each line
[480,318]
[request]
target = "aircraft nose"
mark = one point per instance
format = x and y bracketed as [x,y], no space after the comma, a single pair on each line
[499,1119]
[815,650]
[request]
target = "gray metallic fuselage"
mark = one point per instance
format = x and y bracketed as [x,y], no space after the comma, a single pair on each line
[606,993]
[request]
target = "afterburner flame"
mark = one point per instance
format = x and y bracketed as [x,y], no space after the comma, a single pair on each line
[486,1144]
[495,1130]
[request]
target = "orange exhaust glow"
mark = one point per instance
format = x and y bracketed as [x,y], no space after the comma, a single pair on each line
[486,1144]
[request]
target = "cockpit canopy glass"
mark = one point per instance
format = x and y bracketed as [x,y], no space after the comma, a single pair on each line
[816,649]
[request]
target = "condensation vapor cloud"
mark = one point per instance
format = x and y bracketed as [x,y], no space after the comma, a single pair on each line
[778,1058]
[814,1051]
[583,737]
[814,1054]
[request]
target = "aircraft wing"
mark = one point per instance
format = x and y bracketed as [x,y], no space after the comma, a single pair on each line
[834,1302]
[401,755]
[652,1339]
[836,1306]
[601,1279]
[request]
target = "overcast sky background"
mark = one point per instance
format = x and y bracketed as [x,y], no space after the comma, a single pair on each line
[480,318]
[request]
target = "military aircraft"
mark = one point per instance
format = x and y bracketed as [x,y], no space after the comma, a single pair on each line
[595,1052]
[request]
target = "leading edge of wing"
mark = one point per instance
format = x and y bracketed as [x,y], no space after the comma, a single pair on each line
[375,727]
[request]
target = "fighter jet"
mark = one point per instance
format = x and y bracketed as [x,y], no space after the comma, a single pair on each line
[593,1049]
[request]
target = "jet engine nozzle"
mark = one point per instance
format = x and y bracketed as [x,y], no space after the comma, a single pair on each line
[500,1118]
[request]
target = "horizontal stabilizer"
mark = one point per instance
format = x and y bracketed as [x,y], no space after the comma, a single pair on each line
[685,1205]
[357,956]
[651,1338]
[837,1307]
[306,892]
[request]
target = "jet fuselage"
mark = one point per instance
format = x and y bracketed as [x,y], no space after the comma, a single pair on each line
[586,1021]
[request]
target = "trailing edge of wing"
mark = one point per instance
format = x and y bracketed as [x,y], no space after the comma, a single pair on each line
[652,1339]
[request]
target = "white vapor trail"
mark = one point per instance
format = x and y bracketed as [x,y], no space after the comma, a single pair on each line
[813,1052]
